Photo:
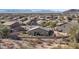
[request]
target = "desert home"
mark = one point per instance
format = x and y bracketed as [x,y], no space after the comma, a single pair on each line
[40,31]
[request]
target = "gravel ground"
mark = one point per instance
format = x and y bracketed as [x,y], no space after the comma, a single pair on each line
[31,44]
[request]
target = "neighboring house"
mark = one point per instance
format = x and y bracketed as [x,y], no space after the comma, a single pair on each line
[13,25]
[40,31]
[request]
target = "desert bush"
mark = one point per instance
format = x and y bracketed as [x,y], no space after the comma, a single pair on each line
[78,20]
[74,30]
[62,18]
[50,24]
[4,31]
[69,18]
[74,45]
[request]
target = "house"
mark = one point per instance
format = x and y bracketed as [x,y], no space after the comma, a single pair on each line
[13,25]
[40,31]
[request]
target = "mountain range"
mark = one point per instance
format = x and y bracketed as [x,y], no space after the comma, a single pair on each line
[72,11]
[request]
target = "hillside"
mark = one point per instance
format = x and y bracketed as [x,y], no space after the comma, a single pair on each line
[72,11]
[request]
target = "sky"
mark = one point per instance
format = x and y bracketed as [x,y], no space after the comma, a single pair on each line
[38,4]
[3,10]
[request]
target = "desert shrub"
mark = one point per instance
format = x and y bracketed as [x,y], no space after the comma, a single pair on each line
[24,32]
[50,24]
[62,18]
[78,20]
[74,37]
[74,45]
[73,33]
[2,21]
[4,31]
[43,24]
[69,18]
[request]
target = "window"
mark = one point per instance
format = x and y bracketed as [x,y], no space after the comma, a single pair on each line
[36,34]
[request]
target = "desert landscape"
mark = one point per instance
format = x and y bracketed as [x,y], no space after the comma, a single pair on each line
[39,30]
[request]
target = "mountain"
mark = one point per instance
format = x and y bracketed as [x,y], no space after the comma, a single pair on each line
[72,11]
[29,11]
